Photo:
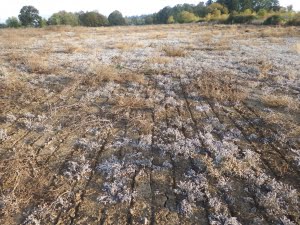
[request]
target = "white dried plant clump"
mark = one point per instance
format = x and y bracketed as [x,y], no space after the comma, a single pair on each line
[75,171]
[42,213]
[86,145]
[11,117]
[118,175]
[36,122]
[3,135]
[277,198]
[172,141]
[220,214]
[193,189]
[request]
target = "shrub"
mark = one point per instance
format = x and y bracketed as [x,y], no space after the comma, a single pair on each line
[171,20]
[295,21]
[262,13]
[64,18]
[274,20]
[187,17]
[240,19]
[13,22]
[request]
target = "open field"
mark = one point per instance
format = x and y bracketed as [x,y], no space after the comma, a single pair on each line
[177,124]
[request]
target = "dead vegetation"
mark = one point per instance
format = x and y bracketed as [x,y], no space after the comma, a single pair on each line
[166,124]
[173,51]
[222,87]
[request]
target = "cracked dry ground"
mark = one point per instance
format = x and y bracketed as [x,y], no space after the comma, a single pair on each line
[178,124]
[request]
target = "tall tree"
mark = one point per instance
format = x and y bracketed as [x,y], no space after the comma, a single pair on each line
[164,14]
[116,18]
[29,16]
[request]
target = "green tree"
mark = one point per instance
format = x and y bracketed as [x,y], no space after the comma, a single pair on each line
[164,14]
[265,4]
[116,19]
[171,20]
[64,18]
[29,16]
[201,10]
[216,6]
[262,13]
[92,19]
[149,19]
[43,22]
[187,17]
[13,22]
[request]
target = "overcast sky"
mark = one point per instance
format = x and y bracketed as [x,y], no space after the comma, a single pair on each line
[127,7]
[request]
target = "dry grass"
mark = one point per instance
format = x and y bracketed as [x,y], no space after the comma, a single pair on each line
[284,101]
[172,51]
[70,49]
[221,87]
[100,73]
[38,64]
[297,48]
[128,102]
[159,60]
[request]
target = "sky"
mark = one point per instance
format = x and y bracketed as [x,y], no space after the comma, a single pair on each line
[127,7]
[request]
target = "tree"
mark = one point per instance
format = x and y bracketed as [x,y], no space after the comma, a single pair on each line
[164,14]
[187,17]
[265,4]
[209,2]
[13,22]
[29,16]
[43,22]
[64,18]
[201,10]
[216,6]
[92,19]
[289,8]
[149,19]
[171,20]
[116,19]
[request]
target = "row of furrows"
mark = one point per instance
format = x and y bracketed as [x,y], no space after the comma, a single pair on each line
[15,129]
[235,207]
[42,148]
[262,139]
[119,212]
[223,118]
[66,165]
[282,147]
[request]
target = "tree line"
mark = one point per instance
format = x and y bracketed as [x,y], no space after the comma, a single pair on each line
[181,13]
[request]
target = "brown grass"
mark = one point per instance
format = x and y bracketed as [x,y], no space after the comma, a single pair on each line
[129,102]
[38,64]
[172,51]
[221,87]
[159,60]
[101,73]
[283,101]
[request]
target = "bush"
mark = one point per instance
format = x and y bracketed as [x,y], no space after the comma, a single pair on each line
[92,19]
[274,20]
[262,13]
[64,18]
[171,20]
[295,21]
[240,19]
[187,17]
[13,22]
